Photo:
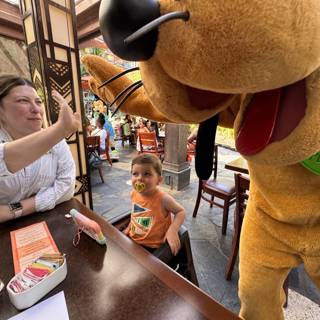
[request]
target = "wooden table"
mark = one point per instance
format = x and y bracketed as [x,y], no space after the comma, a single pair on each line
[239,165]
[122,281]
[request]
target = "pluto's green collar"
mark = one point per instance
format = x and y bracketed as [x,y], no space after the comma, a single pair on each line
[313,163]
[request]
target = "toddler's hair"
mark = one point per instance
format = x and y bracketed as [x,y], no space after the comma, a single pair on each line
[146,158]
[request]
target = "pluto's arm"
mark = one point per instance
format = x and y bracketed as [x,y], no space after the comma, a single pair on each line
[137,104]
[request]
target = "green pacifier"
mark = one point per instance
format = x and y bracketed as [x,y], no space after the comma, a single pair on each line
[313,163]
[140,186]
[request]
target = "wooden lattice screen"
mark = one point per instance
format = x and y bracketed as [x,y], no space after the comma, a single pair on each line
[50,33]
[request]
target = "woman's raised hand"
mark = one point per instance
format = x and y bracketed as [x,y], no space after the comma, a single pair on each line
[68,120]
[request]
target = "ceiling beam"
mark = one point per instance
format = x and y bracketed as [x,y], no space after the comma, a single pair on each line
[93,43]
[84,5]
[87,12]
[10,21]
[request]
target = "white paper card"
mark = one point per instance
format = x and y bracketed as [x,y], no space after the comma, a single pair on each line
[50,309]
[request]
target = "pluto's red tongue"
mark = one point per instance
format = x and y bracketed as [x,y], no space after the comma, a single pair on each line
[259,122]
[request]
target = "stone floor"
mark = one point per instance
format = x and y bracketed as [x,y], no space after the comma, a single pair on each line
[210,249]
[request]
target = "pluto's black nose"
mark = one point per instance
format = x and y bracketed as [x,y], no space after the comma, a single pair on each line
[121,18]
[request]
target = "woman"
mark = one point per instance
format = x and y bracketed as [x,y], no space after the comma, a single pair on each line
[110,131]
[101,132]
[141,126]
[140,129]
[88,126]
[149,126]
[48,174]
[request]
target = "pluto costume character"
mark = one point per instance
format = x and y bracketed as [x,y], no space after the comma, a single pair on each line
[257,65]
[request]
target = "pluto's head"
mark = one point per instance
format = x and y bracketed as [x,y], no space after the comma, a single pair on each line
[197,58]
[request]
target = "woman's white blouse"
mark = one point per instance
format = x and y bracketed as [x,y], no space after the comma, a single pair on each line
[51,178]
[103,134]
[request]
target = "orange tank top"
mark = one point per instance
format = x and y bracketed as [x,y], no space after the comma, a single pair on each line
[149,221]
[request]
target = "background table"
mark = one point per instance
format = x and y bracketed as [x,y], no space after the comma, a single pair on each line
[120,281]
[239,165]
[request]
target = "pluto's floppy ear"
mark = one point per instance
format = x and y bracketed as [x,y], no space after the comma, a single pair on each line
[206,138]
[129,96]
[207,135]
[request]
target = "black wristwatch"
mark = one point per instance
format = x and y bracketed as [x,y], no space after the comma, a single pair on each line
[16,209]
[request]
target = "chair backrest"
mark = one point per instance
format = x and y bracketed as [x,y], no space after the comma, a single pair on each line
[148,142]
[93,143]
[242,185]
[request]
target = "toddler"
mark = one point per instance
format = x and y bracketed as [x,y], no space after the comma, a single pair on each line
[152,213]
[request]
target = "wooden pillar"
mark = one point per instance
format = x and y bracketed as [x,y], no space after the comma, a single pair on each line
[51,39]
[176,170]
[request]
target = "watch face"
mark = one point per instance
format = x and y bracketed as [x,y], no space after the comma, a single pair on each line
[15,206]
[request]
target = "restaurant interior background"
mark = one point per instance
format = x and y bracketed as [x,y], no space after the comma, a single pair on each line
[13,59]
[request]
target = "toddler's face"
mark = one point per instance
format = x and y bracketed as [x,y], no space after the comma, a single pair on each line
[144,178]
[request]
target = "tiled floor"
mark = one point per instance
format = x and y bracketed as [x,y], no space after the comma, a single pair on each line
[210,249]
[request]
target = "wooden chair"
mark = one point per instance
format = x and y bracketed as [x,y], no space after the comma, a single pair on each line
[220,188]
[184,257]
[149,144]
[93,149]
[242,185]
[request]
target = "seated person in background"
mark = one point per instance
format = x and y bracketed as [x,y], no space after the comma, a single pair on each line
[151,217]
[193,135]
[191,142]
[109,129]
[161,129]
[101,132]
[149,126]
[127,119]
[128,129]
[133,122]
[88,128]
[142,126]
[48,174]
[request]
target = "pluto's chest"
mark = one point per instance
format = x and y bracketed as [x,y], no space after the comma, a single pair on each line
[290,193]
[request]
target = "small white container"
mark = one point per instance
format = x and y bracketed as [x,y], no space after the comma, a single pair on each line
[29,297]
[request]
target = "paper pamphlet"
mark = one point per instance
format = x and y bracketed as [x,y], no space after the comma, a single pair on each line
[29,243]
[50,309]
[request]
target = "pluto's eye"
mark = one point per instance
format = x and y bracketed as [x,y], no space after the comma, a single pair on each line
[130,27]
